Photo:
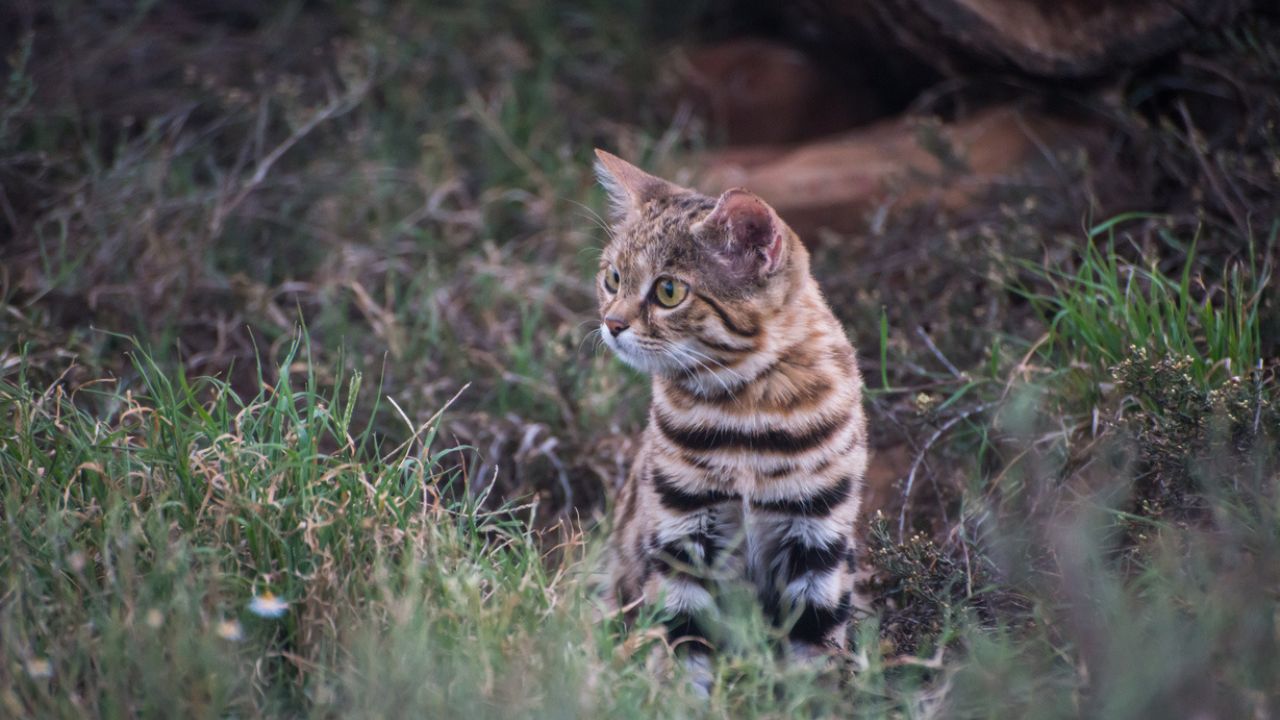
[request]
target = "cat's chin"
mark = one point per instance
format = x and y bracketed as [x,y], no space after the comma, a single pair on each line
[639,358]
[645,362]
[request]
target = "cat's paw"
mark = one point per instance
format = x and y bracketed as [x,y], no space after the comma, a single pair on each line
[810,654]
[701,675]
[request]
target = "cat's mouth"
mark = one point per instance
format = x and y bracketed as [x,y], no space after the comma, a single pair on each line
[654,357]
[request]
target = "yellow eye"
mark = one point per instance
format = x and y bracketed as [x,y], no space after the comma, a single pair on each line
[669,291]
[612,279]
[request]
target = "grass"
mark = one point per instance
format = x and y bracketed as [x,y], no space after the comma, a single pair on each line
[135,545]
[1106,308]
[1085,523]
[137,536]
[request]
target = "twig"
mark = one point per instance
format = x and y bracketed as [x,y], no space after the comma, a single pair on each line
[924,450]
[1022,364]
[9,214]
[933,663]
[1257,405]
[1209,174]
[928,341]
[407,444]
[336,107]
[475,103]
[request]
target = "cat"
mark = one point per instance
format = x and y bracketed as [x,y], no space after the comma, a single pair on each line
[751,466]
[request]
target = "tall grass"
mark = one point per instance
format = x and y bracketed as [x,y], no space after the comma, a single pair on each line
[1103,310]
[142,522]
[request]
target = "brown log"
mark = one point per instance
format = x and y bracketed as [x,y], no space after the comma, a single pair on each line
[1047,38]
[842,182]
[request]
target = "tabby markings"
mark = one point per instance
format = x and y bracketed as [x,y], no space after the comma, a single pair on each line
[817,505]
[816,621]
[771,440]
[802,558]
[728,320]
[678,499]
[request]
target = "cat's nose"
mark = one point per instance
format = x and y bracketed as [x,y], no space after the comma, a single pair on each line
[615,325]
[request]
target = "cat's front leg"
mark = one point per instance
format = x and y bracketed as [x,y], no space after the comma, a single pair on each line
[690,527]
[802,561]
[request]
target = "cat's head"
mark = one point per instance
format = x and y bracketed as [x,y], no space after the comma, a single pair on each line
[689,283]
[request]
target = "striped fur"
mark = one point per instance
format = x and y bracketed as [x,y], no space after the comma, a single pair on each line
[752,464]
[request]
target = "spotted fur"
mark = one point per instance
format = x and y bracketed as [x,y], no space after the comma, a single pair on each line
[752,463]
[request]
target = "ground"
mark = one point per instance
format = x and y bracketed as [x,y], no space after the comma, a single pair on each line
[300,418]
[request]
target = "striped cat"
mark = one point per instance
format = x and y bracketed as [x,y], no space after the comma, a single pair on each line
[751,466]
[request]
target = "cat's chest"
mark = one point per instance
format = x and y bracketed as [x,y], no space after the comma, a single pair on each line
[754,455]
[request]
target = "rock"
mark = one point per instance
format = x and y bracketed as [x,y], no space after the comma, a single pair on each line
[843,181]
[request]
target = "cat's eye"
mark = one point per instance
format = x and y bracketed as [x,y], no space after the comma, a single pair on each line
[612,279]
[669,291]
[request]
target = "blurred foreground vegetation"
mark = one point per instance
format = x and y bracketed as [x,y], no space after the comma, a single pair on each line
[295,307]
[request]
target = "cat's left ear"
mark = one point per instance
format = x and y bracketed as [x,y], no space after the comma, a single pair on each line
[628,186]
[746,232]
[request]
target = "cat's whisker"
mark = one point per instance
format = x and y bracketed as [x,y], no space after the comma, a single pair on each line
[738,376]
[598,336]
[687,353]
[715,372]
[585,338]
[594,217]
[670,351]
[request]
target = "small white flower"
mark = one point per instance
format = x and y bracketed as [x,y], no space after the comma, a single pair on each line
[155,618]
[39,668]
[230,630]
[267,605]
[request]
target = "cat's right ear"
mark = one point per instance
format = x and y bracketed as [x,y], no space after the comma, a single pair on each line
[628,187]
[747,234]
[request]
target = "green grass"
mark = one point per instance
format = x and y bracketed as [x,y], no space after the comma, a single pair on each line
[1106,308]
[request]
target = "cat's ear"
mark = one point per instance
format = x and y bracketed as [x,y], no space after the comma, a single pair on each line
[746,232]
[628,186]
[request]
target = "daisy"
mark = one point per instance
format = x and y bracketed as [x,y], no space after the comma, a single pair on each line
[39,668]
[267,605]
[230,630]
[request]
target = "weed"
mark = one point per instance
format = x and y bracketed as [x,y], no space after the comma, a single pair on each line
[919,589]
[1175,422]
